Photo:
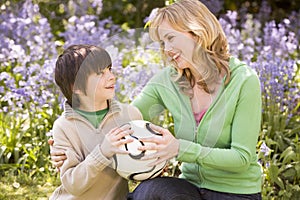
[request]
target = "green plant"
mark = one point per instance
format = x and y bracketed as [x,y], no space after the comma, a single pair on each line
[279,154]
[23,140]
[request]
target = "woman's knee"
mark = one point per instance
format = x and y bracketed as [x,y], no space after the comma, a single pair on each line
[166,188]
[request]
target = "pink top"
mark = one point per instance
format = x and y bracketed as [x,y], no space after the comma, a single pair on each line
[199,116]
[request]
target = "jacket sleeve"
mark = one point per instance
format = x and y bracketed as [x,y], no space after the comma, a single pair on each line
[135,113]
[78,174]
[245,128]
[148,102]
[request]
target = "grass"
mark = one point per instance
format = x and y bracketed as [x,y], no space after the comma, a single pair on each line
[23,187]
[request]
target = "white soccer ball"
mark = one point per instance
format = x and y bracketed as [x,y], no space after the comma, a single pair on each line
[130,166]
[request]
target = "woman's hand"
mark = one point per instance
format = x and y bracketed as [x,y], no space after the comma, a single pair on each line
[166,146]
[57,157]
[114,139]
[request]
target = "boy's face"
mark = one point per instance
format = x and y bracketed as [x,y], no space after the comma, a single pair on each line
[101,86]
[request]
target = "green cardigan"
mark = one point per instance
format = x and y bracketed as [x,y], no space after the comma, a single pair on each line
[219,154]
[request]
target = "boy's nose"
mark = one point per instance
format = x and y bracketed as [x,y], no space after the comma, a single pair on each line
[111,75]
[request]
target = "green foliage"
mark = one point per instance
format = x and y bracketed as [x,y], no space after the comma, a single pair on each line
[23,140]
[26,171]
[133,12]
[280,158]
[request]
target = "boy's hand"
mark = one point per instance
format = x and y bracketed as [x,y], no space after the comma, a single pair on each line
[114,139]
[57,157]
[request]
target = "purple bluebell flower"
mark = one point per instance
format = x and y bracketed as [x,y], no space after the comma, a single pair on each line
[265,149]
[87,30]
[26,43]
[270,49]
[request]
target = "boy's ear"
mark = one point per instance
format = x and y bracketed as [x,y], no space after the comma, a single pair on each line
[77,91]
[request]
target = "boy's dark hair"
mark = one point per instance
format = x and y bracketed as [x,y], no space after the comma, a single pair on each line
[74,66]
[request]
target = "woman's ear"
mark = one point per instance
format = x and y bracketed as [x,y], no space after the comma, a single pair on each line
[196,38]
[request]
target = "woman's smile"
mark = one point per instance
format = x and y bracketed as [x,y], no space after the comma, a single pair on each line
[178,46]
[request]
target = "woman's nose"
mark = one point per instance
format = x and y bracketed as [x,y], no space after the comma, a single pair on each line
[167,47]
[169,52]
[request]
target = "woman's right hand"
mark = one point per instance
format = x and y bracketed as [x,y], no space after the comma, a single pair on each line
[57,157]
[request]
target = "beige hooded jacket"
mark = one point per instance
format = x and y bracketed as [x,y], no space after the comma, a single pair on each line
[87,174]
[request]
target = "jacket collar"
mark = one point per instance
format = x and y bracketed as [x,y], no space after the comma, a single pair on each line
[69,112]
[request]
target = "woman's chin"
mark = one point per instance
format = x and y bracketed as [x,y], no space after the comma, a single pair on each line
[182,65]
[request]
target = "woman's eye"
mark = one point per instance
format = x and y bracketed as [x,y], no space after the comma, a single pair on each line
[162,43]
[170,38]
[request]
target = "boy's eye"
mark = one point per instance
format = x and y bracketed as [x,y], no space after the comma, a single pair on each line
[109,68]
[100,72]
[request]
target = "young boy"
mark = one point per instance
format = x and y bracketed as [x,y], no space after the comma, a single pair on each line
[86,130]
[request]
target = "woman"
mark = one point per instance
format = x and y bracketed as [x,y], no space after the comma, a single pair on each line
[208,93]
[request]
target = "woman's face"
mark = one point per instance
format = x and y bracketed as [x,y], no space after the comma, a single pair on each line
[178,46]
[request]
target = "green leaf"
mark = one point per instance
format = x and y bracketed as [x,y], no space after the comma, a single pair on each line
[283,122]
[289,173]
[291,132]
[288,155]
[273,172]
[297,168]
[279,182]
[276,122]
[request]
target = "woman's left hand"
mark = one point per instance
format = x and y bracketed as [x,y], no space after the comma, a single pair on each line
[166,146]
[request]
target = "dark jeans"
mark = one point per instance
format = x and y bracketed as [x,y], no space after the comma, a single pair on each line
[169,188]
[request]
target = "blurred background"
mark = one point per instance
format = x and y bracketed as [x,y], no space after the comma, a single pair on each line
[263,33]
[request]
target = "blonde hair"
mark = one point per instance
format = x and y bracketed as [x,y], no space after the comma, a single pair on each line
[212,51]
